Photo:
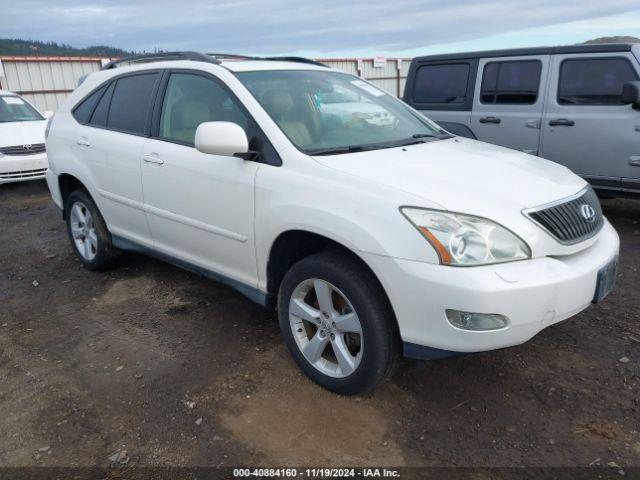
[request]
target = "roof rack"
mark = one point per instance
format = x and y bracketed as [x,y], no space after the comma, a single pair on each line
[233,56]
[159,57]
[200,57]
[294,59]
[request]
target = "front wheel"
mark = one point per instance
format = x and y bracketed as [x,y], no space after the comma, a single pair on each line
[338,324]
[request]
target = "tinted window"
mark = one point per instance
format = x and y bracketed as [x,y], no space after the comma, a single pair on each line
[83,111]
[594,81]
[99,117]
[191,100]
[441,83]
[130,103]
[511,82]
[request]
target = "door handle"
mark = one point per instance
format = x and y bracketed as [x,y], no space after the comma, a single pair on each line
[83,142]
[153,159]
[490,120]
[634,161]
[561,122]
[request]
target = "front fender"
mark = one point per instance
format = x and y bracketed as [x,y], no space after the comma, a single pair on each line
[362,218]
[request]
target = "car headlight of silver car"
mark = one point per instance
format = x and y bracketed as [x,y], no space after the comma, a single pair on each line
[466,240]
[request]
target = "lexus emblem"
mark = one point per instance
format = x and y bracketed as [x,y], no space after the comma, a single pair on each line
[27,148]
[588,213]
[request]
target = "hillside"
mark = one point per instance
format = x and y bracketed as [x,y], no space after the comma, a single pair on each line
[13,46]
[621,39]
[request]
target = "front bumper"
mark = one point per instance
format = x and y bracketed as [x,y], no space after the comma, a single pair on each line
[20,168]
[532,294]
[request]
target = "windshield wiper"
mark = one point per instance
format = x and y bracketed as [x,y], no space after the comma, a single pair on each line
[413,140]
[442,136]
[336,150]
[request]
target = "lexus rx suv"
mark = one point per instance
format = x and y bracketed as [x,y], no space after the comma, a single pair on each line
[372,240]
[22,152]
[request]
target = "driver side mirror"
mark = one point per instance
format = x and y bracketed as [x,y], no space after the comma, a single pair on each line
[223,138]
[631,93]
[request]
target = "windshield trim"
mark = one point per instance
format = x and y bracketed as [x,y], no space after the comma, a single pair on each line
[346,149]
[29,107]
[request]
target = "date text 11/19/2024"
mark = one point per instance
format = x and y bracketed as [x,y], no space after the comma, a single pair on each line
[316,473]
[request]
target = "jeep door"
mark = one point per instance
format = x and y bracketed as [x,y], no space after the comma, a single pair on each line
[508,101]
[586,126]
[200,207]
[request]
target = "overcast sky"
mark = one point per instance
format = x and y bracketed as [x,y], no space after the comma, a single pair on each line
[317,28]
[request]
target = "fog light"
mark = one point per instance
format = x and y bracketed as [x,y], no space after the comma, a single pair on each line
[477,322]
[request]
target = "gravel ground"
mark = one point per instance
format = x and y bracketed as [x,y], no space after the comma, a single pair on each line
[149,365]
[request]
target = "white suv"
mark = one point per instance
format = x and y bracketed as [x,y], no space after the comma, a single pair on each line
[371,239]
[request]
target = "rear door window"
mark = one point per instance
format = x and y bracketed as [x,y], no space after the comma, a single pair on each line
[130,103]
[594,81]
[515,82]
[443,83]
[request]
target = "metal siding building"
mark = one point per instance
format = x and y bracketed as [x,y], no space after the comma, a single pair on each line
[391,77]
[47,81]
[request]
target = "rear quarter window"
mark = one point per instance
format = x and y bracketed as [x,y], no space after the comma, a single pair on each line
[82,112]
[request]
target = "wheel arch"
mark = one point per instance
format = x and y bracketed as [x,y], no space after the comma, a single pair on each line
[291,246]
[67,184]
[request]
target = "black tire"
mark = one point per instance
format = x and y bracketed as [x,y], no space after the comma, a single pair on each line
[105,252]
[381,352]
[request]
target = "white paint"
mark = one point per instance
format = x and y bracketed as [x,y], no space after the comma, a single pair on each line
[223,214]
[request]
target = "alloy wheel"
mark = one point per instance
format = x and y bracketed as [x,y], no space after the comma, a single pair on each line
[326,328]
[83,231]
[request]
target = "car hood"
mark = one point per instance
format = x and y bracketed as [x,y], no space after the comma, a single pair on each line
[463,175]
[22,133]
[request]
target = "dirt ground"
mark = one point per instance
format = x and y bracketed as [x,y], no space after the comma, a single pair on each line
[177,370]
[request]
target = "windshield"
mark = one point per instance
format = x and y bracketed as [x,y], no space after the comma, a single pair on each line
[330,112]
[15,109]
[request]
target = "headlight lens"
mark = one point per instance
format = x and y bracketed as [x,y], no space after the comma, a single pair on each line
[466,240]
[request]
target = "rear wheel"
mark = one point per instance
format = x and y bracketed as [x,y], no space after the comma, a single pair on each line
[88,232]
[338,324]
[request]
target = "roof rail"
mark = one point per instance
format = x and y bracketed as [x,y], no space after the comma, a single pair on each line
[294,59]
[231,56]
[159,57]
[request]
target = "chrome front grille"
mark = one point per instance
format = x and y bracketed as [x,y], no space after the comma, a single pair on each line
[572,219]
[40,172]
[28,149]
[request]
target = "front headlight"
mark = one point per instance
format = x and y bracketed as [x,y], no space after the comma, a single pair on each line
[465,240]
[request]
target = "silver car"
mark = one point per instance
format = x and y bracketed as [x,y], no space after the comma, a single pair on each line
[577,105]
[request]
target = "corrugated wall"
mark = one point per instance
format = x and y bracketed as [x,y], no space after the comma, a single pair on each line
[388,77]
[45,81]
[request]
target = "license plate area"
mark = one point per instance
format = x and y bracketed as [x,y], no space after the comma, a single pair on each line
[606,280]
